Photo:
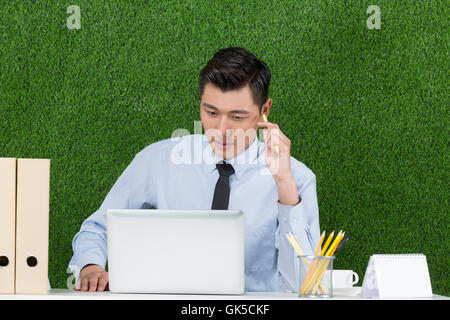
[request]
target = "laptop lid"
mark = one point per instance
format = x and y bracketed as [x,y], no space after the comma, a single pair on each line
[175,251]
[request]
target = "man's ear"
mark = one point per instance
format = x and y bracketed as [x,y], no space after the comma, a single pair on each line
[266,107]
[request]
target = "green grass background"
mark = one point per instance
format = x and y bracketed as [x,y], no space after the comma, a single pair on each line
[366,110]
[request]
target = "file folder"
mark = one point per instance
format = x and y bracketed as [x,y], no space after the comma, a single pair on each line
[7,224]
[32,221]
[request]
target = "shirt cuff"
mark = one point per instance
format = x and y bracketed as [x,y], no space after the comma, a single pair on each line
[284,211]
[80,261]
[292,219]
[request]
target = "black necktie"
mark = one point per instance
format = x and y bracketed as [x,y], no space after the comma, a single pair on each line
[222,191]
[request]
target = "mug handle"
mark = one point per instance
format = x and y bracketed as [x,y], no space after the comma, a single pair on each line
[356,277]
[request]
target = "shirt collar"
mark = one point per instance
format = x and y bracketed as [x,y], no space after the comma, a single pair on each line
[240,162]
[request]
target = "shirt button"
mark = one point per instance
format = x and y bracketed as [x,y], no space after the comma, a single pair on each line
[294,221]
[238,174]
[284,219]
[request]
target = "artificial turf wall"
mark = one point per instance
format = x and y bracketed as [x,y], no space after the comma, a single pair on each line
[366,109]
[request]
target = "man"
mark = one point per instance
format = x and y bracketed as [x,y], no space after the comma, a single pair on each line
[276,192]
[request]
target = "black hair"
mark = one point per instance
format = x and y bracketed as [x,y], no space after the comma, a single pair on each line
[233,68]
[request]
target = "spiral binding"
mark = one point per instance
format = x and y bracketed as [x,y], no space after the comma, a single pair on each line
[398,256]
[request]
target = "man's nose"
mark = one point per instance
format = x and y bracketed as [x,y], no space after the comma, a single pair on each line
[223,126]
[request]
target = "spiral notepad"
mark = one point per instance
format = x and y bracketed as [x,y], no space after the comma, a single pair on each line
[397,275]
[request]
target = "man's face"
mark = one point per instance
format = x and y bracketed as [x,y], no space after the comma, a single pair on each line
[229,119]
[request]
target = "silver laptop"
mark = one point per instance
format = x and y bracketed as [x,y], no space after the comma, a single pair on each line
[175,251]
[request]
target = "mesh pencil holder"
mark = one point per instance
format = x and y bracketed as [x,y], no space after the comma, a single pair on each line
[315,276]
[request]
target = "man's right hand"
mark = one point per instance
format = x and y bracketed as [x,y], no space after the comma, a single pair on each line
[92,278]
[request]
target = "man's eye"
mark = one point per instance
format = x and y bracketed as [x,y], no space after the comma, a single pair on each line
[211,113]
[238,118]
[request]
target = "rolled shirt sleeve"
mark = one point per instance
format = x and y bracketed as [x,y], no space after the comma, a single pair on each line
[303,221]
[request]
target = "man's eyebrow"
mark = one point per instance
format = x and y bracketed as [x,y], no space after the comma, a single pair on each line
[232,111]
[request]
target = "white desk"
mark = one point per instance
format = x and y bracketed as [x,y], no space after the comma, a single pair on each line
[66,294]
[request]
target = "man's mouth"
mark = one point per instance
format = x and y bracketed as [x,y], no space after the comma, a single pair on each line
[222,144]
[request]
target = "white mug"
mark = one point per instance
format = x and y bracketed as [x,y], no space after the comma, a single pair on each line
[344,278]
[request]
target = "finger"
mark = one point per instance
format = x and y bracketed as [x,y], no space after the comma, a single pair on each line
[265,133]
[279,145]
[273,127]
[273,144]
[267,124]
[93,284]
[268,150]
[278,132]
[84,284]
[275,135]
[281,135]
[102,283]
[77,286]
[272,131]
[280,138]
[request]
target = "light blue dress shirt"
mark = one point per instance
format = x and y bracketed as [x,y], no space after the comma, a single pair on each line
[180,173]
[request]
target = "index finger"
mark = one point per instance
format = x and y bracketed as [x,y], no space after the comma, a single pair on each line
[267,124]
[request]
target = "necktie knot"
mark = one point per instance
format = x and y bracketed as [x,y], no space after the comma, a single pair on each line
[225,169]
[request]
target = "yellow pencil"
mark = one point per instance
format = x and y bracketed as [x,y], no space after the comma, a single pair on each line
[327,243]
[320,243]
[324,267]
[295,239]
[337,243]
[277,148]
[319,268]
[314,261]
[317,276]
[312,268]
[333,244]
[298,249]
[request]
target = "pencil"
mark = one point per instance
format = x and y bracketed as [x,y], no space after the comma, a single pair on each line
[314,268]
[298,249]
[313,263]
[277,148]
[324,267]
[341,244]
[319,244]
[317,271]
[334,244]
[294,245]
[295,239]
[327,243]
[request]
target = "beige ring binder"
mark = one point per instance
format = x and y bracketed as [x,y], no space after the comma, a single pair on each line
[7,224]
[24,222]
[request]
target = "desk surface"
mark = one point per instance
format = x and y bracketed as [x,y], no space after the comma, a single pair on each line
[66,294]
